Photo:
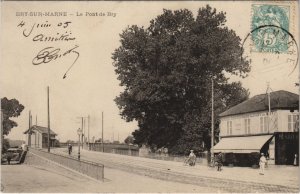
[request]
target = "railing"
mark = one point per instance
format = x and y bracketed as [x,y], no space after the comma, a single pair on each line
[127,152]
[201,158]
[63,144]
[88,168]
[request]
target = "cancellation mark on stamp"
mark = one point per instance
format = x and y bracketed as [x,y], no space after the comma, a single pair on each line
[270,24]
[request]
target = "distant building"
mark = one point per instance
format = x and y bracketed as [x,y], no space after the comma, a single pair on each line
[37,137]
[248,128]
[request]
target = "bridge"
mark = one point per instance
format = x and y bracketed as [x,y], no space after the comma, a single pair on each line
[231,179]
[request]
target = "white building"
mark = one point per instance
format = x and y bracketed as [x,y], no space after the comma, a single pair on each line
[249,128]
[37,137]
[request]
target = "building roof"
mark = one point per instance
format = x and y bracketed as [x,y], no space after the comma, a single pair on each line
[43,130]
[278,100]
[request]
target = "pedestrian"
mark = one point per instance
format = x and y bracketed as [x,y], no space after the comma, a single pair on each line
[192,158]
[219,161]
[24,147]
[262,163]
[9,157]
[295,160]
[70,149]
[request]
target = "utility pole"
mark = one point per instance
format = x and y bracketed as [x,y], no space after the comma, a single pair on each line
[29,130]
[1,128]
[102,135]
[82,132]
[89,132]
[299,95]
[82,136]
[36,120]
[48,119]
[269,104]
[212,122]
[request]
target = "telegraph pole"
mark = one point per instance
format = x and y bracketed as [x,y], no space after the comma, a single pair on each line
[102,135]
[89,132]
[82,131]
[48,119]
[29,130]
[299,95]
[1,128]
[269,103]
[212,121]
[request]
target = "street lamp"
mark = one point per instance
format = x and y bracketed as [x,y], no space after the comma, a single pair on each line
[79,132]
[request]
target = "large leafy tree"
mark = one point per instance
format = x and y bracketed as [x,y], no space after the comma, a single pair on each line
[9,108]
[166,70]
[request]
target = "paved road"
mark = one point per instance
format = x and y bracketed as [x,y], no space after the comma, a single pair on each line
[237,179]
[47,178]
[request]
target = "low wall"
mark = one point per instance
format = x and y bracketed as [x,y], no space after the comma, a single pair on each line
[88,168]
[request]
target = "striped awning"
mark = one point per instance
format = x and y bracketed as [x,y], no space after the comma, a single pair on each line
[242,144]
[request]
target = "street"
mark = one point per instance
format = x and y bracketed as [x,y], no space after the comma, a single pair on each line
[54,179]
[230,179]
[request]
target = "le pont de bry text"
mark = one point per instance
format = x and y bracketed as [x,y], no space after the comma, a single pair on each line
[65,14]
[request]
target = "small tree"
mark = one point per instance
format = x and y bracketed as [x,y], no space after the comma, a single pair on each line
[129,140]
[70,141]
[9,108]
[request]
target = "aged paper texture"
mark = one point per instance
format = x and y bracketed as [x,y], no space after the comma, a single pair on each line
[131,83]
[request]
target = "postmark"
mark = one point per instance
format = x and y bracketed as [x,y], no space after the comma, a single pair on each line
[271,46]
[267,63]
[272,37]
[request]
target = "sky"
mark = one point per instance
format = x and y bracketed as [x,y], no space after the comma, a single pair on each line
[91,84]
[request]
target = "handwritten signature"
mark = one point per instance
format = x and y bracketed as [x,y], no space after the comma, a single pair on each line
[49,54]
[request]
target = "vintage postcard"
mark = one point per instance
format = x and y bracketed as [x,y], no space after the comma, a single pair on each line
[149,96]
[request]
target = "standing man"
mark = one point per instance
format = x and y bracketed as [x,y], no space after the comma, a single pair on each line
[219,161]
[262,163]
[70,149]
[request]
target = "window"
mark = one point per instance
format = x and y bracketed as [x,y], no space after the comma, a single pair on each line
[263,124]
[247,126]
[229,127]
[293,122]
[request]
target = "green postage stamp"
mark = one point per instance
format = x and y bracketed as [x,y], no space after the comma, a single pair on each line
[270,28]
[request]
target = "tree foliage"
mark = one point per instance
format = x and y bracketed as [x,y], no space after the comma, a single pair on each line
[129,140]
[10,108]
[166,70]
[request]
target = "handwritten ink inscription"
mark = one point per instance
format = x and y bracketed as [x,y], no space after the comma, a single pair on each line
[60,32]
